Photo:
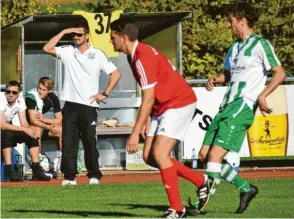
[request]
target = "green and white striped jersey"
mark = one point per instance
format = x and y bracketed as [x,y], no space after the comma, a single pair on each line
[248,64]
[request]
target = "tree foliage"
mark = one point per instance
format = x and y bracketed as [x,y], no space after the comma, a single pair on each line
[206,36]
[13,10]
[276,23]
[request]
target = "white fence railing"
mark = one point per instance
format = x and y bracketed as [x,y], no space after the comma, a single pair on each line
[203,81]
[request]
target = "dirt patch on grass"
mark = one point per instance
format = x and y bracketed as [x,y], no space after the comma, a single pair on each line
[152,176]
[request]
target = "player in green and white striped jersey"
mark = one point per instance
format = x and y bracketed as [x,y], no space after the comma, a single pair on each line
[246,66]
[248,63]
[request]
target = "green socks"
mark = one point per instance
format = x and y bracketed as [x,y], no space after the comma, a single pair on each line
[241,184]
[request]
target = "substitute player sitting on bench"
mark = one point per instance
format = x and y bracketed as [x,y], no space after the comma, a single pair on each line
[13,105]
[39,101]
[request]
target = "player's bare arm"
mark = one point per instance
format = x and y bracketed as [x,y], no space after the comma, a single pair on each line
[145,128]
[50,45]
[7,126]
[114,79]
[33,132]
[218,79]
[144,113]
[23,119]
[50,121]
[35,121]
[278,77]
[55,130]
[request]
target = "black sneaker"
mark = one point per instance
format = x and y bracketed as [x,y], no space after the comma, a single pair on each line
[193,208]
[171,213]
[203,192]
[245,198]
[40,176]
[13,177]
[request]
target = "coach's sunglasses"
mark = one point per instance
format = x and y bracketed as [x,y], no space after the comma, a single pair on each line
[11,91]
[77,34]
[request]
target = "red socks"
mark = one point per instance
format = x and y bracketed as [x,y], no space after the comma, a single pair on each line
[188,174]
[170,182]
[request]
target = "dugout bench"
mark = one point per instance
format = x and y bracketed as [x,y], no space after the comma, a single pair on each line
[26,62]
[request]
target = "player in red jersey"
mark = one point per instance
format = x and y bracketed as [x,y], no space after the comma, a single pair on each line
[170,101]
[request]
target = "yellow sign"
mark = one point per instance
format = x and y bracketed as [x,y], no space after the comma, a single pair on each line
[99,24]
[268,135]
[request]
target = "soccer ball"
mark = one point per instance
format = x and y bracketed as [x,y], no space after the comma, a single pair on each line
[233,159]
[44,163]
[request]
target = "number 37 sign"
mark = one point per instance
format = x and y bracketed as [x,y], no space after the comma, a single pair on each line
[99,24]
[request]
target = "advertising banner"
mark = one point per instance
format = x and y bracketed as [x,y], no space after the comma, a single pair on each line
[135,161]
[271,135]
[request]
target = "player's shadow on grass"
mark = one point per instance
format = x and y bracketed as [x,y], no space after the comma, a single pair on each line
[78,213]
[161,208]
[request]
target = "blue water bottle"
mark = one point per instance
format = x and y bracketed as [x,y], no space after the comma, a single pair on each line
[194,159]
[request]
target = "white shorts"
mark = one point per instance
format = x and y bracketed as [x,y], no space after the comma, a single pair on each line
[173,123]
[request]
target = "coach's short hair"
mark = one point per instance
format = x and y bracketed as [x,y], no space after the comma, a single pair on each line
[243,9]
[83,25]
[125,27]
[14,83]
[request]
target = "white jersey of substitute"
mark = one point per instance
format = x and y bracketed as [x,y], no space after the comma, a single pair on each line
[11,111]
[248,64]
[82,72]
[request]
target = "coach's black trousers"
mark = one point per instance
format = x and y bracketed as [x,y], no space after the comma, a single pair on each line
[79,122]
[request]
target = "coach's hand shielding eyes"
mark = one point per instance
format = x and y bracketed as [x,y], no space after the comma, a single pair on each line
[72,30]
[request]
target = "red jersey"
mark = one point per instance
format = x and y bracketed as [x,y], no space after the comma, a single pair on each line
[152,69]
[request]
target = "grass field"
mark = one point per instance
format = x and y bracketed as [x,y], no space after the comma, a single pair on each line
[275,200]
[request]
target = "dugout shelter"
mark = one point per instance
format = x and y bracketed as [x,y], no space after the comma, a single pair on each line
[23,59]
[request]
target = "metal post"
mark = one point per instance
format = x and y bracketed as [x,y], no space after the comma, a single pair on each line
[179,148]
